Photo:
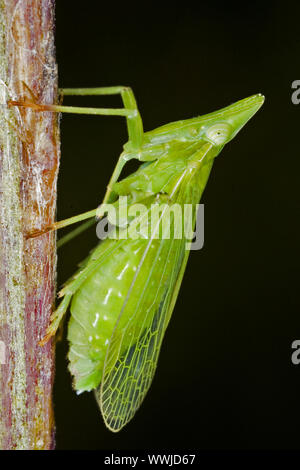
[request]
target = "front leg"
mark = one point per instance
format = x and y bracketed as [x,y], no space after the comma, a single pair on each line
[135,132]
[134,121]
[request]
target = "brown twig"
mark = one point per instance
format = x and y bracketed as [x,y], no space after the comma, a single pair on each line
[29,153]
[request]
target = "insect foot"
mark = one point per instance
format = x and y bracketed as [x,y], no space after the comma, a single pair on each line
[25,103]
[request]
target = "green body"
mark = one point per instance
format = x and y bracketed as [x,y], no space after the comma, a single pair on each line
[95,308]
[123,295]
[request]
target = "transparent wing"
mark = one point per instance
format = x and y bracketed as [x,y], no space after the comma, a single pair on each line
[133,350]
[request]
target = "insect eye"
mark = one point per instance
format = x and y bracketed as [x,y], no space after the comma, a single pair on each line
[219,133]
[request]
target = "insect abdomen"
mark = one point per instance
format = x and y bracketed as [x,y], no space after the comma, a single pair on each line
[94,311]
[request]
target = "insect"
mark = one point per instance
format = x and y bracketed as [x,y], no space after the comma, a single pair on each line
[123,295]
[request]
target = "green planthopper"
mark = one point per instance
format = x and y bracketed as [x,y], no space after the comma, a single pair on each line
[122,297]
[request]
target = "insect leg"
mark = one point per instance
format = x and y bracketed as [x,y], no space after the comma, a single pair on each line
[130,110]
[74,233]
[135,132]
[55,319]
[63,223]
[134,121]
[98,212]
[69,290]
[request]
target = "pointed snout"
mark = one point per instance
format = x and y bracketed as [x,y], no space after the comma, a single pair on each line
[239,113]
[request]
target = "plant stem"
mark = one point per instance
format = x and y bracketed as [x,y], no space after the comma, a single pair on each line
[29,156]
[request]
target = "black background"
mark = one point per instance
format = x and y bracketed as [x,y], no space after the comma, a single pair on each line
[225,379]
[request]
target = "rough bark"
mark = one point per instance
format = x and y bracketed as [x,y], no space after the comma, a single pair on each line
[29,151]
